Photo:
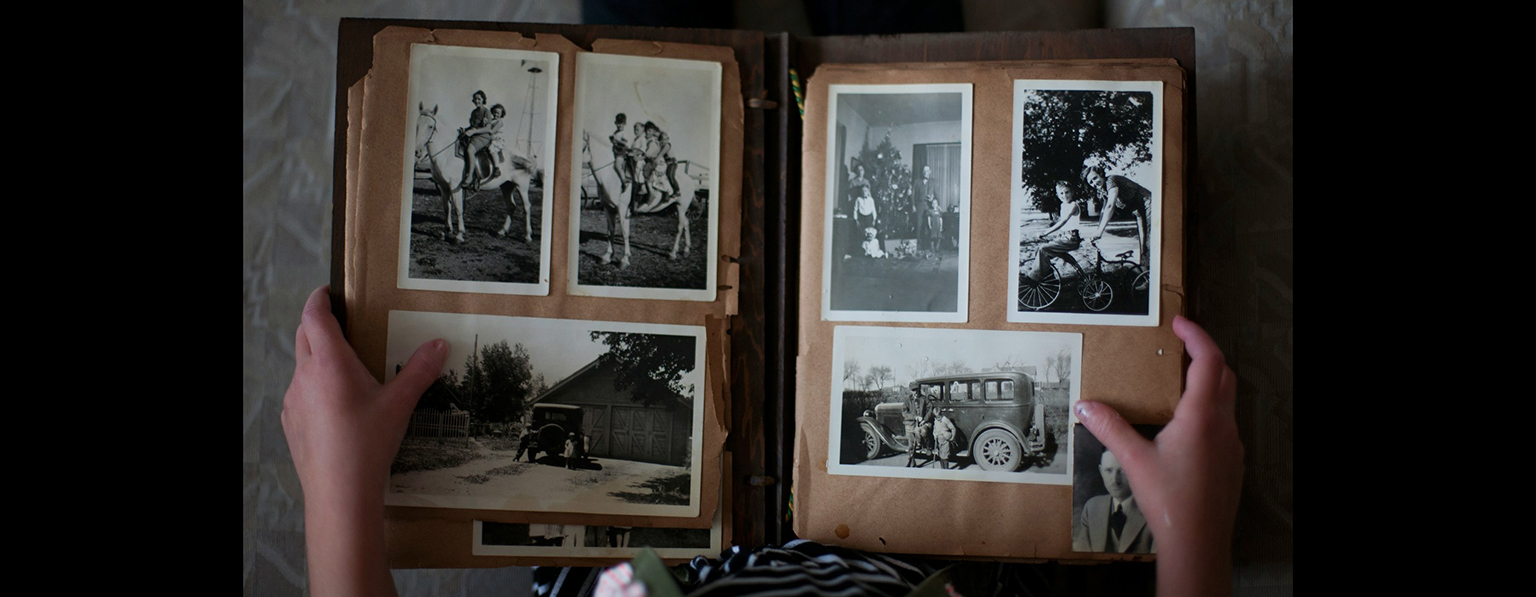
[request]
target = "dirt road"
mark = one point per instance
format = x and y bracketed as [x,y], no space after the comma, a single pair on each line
[498,476]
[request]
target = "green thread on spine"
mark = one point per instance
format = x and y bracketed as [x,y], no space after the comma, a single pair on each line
[794,85]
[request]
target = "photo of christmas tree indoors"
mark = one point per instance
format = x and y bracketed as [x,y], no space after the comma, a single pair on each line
[898,202]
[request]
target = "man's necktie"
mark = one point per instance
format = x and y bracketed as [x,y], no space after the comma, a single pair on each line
[1117,524]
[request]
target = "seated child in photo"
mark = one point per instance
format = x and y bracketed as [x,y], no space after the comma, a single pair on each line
[871,244]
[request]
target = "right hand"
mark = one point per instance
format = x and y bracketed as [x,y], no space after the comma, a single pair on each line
[1189,478]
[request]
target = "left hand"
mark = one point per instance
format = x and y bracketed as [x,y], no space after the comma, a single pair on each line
[342,426]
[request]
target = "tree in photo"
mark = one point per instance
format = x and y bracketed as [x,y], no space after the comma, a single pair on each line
[1067,130]
[881,376]
[650,366]
[498,381]
[955,368]
[509,382]
[443,394]
[1063,364]
[890,182]
[851,371]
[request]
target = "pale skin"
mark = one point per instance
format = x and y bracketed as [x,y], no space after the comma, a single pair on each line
[1096,180]
[344,428]
[1069,208]
[446,178]
[1188,479]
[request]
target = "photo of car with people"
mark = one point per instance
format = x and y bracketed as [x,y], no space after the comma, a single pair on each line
[993,420]
[953,404]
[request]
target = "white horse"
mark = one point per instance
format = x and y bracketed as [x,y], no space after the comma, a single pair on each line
[620,200]
[687,190]
[447,172]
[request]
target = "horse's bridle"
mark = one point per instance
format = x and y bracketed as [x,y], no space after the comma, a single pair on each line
[428,142]
[586,146]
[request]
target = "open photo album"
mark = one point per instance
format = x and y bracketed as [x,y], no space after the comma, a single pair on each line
[712,288]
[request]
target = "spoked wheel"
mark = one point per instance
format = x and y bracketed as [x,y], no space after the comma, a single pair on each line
[1097,294]
[998,450]
[1036,295]
[1142,282]
[871,443]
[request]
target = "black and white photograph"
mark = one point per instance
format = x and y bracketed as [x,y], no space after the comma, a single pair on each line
[551,540]
[1105,517]
[973,405]
[480,142]
[898,186]
[646,147]
[553,415]
[1086,202]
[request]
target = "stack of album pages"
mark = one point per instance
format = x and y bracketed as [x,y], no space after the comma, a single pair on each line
[649,350]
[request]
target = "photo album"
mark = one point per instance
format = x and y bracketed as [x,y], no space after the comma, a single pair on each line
[707,288]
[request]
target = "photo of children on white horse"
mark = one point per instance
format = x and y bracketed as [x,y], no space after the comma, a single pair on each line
[474,216]
[646,148]
[645,157]
[482,139]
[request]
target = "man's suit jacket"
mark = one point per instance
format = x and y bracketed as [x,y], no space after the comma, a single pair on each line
[1091,532]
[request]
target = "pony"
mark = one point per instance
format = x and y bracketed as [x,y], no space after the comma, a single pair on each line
[447,170]
[619,202]
[687,191]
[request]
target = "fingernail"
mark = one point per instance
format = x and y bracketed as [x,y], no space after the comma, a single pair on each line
[1085,410]
[438,346]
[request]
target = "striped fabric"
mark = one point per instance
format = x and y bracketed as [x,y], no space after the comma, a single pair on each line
[802,568]
[798,568]
[809,568]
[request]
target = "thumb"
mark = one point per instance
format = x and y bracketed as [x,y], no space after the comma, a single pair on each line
[424,368]
[1129,447]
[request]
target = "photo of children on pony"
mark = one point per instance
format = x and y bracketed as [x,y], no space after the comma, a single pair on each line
[646,146]
[475,217]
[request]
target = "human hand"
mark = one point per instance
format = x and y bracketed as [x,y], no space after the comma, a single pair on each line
[343,429]
[1188,479]
[342,426]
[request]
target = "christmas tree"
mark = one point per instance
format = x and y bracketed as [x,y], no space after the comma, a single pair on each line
[890,183]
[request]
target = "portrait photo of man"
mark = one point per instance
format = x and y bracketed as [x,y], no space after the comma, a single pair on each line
[1105,515]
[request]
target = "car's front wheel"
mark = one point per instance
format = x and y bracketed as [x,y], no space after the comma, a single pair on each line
[998,450]
[871,443]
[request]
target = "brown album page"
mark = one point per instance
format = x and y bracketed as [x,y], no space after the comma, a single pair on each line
[1137,370]
[379,135]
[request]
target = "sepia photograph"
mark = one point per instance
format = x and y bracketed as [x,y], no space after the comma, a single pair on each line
[898,197]
[553,415]
[646,150]
[549,540]
[480,140]
[969,405]
[1105,517]
[1086,202]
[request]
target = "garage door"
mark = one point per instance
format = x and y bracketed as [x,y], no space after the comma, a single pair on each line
[643,434]
[595,422]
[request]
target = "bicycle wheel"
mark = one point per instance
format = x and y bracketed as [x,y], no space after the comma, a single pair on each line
[1097,294]
[1142,282]
[1036,295]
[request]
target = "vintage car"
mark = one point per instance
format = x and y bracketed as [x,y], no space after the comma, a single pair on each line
[552,424]
[998,422]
